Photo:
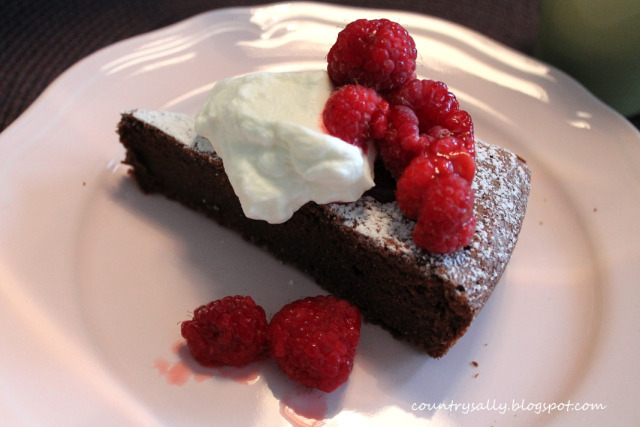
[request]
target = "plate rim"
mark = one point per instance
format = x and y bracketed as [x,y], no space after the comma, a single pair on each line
[44,97]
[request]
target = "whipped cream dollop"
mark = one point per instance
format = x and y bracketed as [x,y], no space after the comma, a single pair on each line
[267,128]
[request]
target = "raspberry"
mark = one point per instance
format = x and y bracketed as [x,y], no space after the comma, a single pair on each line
[229,331]
[356,114]
[314,340]
[460,125]
[463,163]
[403,141]
[412,185]
[454,157]
[436,107]
[446,222]
[375,53]
[430,99]
[424,117]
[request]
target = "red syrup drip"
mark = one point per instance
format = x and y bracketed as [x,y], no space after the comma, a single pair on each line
[176,373]
[179,372]
[302,408]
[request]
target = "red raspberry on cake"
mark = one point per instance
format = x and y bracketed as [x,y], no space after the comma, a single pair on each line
[412,185]
[431,100]
[229,331]
[403,140]
[446,222]
[460,124]
[375,53]
[314,341]
[437,111]
[356,114]
[454,157]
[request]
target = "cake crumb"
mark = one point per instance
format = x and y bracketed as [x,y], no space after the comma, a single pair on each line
[474,364]
[476,375]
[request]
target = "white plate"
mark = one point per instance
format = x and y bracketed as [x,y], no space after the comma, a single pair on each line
[95,277]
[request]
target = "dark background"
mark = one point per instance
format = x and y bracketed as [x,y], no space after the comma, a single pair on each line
[39,39]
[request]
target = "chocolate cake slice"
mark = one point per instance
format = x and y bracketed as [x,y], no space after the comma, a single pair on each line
[361,251]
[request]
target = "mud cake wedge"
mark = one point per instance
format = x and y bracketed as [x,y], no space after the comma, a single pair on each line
[361,251]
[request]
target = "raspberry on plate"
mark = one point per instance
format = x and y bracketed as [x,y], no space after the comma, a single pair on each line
[229,331]
[375,53]
[356,114]
[314,340]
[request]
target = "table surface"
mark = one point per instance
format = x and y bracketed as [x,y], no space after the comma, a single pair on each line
[40,39]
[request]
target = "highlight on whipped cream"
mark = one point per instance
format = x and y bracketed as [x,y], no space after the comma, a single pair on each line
[267,128]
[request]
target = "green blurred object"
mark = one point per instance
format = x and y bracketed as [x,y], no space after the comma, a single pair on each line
[598,43]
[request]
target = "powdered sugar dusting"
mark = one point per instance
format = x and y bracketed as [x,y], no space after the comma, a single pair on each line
[178,125]
[501,187]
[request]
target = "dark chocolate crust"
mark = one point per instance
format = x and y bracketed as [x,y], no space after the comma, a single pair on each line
[428,300]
